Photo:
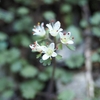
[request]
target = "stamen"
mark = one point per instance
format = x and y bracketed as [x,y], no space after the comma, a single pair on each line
[32,32]
[56,47]
[72,37]
[38,23]
[64,33]
[41,51]
[68,33]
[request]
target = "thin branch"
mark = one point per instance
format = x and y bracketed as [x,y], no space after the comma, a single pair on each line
[88,63]
[51,85]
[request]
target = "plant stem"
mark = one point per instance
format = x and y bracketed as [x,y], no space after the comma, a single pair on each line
[53,74]
[51,85]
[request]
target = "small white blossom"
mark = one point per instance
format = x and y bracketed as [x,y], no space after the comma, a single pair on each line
[36,47]
[39,30]
[54,29]
[49,51]
[66,38]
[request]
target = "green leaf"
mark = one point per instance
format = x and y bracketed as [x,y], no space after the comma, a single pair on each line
[25,41]
[30,88]
[22,11]
[48,1]
[83,23]
[3,36]
[43,76]
[72,62]
[2,84]
[58,57]
[3,57]
[71,47]
[95,57]
[95,19]
[38,85]
[96,31]
[3,45]
[66,77]
[16,66]
[6,83]
[38,55]
[48,70]
[49,15]
[21,39]
[28,93]
[24,61]
[23,24]
[45,62]
[29,71]
[6,16]
[41,60]
[58,73]
[14,54]
[66,95]
[7,94]
[59,46]
[68,19]
[82,2]
[65,8]
[27,90]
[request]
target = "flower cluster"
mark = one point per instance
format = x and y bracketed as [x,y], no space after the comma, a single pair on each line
[54,29]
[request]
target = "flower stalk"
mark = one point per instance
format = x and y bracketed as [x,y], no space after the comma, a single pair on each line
[48,52]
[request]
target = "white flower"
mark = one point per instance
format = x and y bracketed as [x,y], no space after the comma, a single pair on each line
[39,30]
[36,47]
[66,38]
[54,29]
[49,51]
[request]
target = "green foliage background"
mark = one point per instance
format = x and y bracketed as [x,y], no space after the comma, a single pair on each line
[21,74]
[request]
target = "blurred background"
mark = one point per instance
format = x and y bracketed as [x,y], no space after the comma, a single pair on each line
[23,77]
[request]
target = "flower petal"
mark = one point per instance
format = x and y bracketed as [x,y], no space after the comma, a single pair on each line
[42,24]
[35,30]
[68,34]
[54,54]
[42,28]
[61,34]
[56,25]
[31,46]
[39,30]
[49,26]
[44,48]
[70,42]
[52,45]
[45,57]
[60,30]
